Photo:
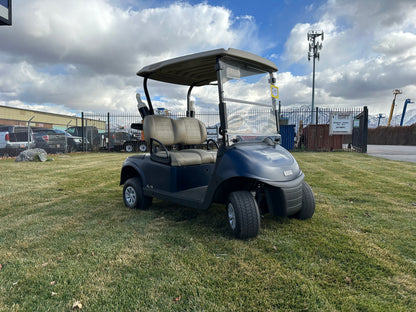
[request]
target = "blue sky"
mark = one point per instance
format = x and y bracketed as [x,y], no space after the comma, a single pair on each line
[274,19]
[83,56]
[4,3]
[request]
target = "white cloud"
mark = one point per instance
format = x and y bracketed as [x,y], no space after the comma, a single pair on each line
[369,49]
[84,55]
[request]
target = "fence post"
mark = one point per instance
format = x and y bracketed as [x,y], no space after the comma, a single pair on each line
[87,146]
[108,131]
[316,128]
[365,129]
[82,130]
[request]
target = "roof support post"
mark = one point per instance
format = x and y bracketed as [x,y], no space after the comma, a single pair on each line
[222,105]
[149,101]
[188,102]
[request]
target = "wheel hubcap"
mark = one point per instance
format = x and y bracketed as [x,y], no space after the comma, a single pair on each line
[130,195]
[231,216]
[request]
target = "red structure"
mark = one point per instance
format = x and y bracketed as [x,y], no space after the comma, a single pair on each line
[317,138]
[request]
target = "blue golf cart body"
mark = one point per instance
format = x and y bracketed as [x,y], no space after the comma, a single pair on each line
[246,169]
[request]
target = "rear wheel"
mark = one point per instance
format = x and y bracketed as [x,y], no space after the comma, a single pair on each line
[143,148]
[308,203]
[129,148]
[133,195]
[243,214]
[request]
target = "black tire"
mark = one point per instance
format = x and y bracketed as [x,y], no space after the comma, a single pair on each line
[142,148]
[308,203]
[243,214]
[133,195]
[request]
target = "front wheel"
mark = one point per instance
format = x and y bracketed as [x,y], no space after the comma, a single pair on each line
[133,195]
[243,214]
[308,203]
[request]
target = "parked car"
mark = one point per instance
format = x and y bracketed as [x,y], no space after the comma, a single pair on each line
[92,138]
[56,141]
[14,139]
[49,140]
[74,143]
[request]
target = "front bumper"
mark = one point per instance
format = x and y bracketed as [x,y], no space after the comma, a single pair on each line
[284,199]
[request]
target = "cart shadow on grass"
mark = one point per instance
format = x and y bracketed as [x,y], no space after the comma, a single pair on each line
[211,222]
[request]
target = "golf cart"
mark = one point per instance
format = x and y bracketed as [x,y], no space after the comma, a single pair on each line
[248,171]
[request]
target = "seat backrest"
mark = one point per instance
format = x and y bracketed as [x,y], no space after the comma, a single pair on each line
[159,128]
[189,131]
[185,130]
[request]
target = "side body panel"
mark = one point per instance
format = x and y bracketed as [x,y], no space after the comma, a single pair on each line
[245,166]
[166,178]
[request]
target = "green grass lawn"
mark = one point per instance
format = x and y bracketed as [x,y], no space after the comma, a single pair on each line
[65,236]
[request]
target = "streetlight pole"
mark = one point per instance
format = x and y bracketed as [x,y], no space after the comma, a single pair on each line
[314,48]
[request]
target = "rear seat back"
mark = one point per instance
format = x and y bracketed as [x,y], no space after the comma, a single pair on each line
[159,128]
[184,131]
[189,131]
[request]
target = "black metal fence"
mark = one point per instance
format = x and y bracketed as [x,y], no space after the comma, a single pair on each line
[313,128]
[112,129]
[293,116]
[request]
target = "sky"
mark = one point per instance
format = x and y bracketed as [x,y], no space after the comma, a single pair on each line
[73,56]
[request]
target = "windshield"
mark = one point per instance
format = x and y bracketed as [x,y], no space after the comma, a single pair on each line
[251,110]
[71,131]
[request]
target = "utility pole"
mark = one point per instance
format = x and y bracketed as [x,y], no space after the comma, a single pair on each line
[314,48]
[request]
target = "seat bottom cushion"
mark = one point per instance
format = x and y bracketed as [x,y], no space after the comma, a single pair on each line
[189,157]
[206,156]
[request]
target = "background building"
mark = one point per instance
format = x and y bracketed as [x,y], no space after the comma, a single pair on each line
[18,116]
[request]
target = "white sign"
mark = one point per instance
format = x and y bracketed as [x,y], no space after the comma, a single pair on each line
[340,123]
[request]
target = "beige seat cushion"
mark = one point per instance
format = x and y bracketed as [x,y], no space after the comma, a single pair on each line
[189,157]
[206,156]
[185,131]
[189,131]
[159,128]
